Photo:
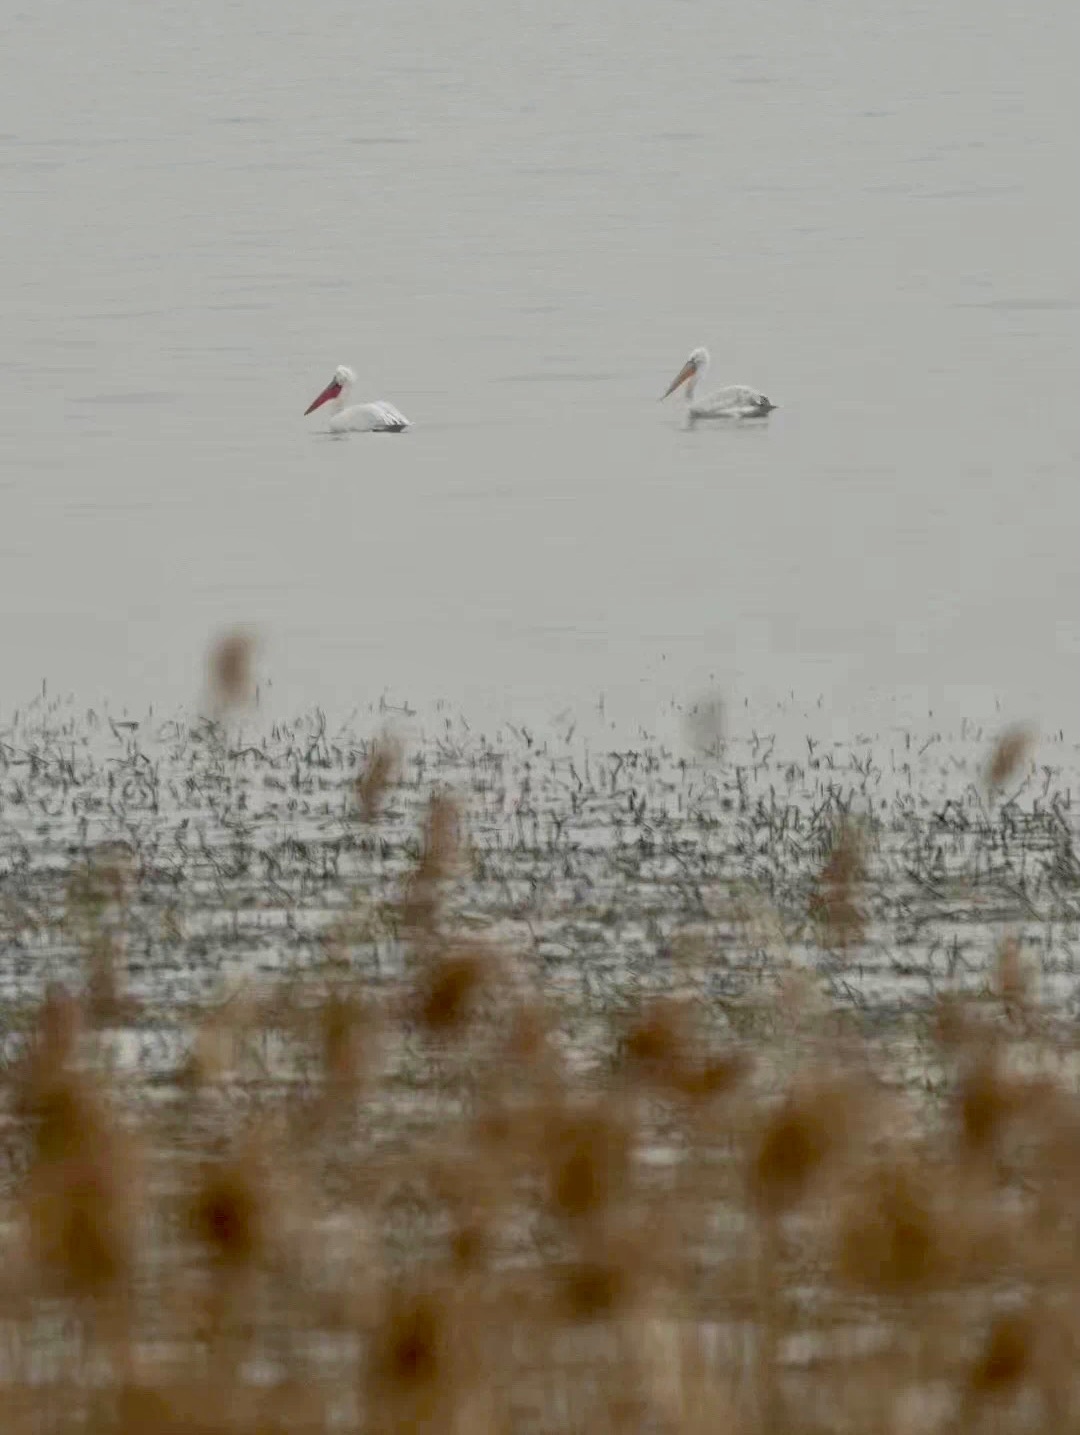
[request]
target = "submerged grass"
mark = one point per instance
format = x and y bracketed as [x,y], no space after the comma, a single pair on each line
[498,1088]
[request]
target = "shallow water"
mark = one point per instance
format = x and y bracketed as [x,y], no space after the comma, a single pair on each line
[607,874]
[514,222]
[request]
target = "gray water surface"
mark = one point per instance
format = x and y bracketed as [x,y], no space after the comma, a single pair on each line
[514,221]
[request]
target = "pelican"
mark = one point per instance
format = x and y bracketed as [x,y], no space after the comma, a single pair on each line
[379,417]
[736,401]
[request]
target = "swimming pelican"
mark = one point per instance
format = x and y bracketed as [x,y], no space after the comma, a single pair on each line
[379,417]
[736,401]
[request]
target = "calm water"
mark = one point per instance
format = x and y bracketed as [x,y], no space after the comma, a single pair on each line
[514,221]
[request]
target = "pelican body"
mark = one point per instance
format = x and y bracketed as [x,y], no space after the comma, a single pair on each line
[379,417]
[736,401]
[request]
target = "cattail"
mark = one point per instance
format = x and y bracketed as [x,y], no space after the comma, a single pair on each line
[808,1129]
[656,1042]
[450,989]
[228,1214]
[442,838]
[891,1237]
[381,771]
[410,1349]
[1006,1358]
[1008,754]
[55,1042]
[211,1054]
[80,1223]
[594,1287]
[144,1410]
[611,1271]
[66,1114]
[418,1363]
[231,670]
[834,901]
[793,1147]
[470,1244]
[105,1002]
[985,1103]
[588,1162]
[951,1025]
[439,859]
[349,1038]
[528,1040]
[1011,978]
[79,1188]
[713,1077]
[661,1047]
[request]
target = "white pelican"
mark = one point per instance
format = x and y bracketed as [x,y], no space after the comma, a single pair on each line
[379,417]
[736,401]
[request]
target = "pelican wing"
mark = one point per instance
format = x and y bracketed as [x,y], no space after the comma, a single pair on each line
[387,417]
[737,401]
[379,417]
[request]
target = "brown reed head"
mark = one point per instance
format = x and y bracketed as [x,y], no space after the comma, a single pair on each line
[1009,753]
[588,1156]
[892,1237]
[228,1214]
[450,989]
[442,846]
[798,1141]
[510,1233]
[986,1100]
[79,1216]
[349,1036]
[596,1286]
[231,670]
[1006,1357]
[835,902]
[418,1360]
[54,1044]
[381,771]
[658,1041]
[662,1047]
[80,1186]
[439,859]
[1012,979]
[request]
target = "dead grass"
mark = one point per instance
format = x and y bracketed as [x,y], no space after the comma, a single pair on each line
[411,1204]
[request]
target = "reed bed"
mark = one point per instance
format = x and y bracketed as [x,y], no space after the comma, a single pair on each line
[442,1083]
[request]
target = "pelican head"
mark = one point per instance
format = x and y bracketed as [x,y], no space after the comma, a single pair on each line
[696,361]
[343,379]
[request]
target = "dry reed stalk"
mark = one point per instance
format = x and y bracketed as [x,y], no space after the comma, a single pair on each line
[814,1126]
[229,1214]
[835,901]
[588,1153]
[450,988]
[81,1193]
[662,1048]
[1012,980]
[481,1241]
[892,1235]
[381,771]
[421,1362]
[96,911]
[350,1038]
[440,859]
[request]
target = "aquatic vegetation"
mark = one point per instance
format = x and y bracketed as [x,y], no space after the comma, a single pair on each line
[489,1084]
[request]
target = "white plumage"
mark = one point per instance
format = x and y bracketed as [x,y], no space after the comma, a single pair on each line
[379,417]
[735,401]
